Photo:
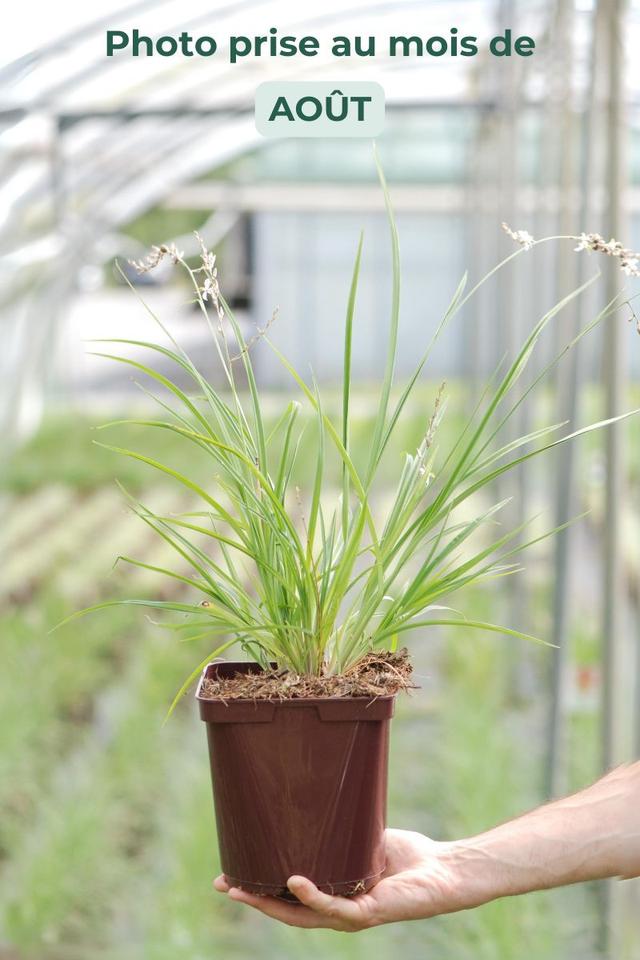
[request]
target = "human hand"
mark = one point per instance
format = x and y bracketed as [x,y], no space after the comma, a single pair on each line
[559,843]
[417,883]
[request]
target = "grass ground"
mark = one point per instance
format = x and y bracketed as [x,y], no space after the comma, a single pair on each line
[107,843]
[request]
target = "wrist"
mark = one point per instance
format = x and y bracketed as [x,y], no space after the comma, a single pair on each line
[456,876]
[475,873]
[590,835]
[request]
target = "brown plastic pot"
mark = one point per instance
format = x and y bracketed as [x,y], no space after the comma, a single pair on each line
[299,787]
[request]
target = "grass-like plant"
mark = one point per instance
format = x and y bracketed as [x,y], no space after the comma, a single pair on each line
[317,596]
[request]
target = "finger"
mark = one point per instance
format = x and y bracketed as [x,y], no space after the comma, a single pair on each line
[220,884]
[341,909]
[294,916]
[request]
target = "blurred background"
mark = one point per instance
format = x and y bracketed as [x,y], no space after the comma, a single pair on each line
[107,839]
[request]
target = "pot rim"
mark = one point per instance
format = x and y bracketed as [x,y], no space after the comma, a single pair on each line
[289,701]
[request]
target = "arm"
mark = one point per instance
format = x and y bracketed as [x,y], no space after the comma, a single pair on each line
[587,836]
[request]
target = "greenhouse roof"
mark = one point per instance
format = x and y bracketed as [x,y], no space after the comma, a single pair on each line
[90,142]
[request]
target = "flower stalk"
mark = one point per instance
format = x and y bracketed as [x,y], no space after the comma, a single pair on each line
[317,597]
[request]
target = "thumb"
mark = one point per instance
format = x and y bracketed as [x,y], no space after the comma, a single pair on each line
[307,893]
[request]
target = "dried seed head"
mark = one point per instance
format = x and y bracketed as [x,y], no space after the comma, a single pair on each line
[594,242]
[210,289]
[156,256]
[629,260]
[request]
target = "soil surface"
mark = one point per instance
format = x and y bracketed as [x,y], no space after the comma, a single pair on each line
[376,675]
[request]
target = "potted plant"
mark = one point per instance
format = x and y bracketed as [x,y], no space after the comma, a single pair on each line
[318,604]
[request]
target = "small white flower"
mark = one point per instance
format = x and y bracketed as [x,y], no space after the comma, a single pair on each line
[523,237]
[174,253]
[207,257]
[630,267]
[613,248]
[208,290]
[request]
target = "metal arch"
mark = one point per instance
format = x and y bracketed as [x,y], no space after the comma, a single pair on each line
[356,11]
[112,180]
